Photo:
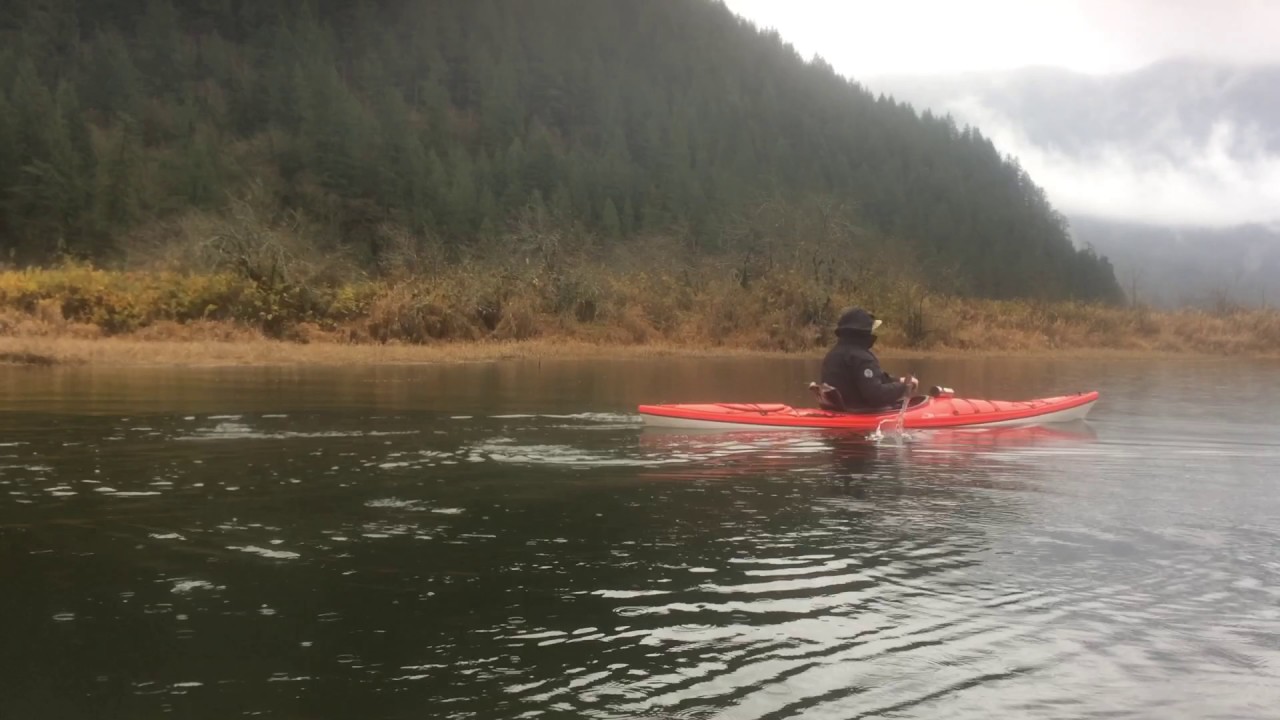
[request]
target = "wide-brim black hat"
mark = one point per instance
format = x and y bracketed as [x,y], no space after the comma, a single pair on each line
[857,320]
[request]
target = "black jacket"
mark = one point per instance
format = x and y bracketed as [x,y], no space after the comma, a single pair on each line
[851,368]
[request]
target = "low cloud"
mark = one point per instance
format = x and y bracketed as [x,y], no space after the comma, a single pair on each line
[1227,178]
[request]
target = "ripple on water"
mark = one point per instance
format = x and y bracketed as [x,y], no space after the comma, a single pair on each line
[266,552]
[183,587]
[507,451]
[244,431]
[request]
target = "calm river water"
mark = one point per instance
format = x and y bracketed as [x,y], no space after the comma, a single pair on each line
[505,541]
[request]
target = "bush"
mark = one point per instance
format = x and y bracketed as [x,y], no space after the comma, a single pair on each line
[119,302]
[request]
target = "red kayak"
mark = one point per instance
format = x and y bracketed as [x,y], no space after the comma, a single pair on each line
[940,411]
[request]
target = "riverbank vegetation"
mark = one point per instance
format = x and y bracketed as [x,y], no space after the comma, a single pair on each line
[952,326]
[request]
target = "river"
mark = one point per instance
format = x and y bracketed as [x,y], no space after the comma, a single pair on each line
[504,540]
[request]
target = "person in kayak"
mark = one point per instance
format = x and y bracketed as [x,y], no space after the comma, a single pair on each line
[853,371]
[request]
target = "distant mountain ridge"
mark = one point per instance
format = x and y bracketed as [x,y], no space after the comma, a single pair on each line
[1172,171]
[1171,266]
[1144,109]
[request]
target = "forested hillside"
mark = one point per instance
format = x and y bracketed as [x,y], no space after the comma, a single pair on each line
[627,120]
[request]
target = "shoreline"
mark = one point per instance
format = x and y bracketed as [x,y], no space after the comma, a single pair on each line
[124,351]
[264,352]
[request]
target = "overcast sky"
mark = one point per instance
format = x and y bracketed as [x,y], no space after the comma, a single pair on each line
[865,38]
[1203,185]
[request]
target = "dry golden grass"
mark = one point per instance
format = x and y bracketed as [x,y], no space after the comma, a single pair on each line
[76,314]
[130,351]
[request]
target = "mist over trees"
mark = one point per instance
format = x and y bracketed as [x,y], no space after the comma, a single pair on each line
[1166,169]
[624,119]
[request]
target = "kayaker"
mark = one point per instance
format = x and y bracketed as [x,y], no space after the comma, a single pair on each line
[854,371]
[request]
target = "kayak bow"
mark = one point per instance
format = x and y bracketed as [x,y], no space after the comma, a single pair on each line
[924,412]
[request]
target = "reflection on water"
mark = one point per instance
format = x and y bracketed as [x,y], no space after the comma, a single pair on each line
[506,541]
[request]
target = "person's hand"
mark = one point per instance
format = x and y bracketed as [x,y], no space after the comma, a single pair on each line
[911,382]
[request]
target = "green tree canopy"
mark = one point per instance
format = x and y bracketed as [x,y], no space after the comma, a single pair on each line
[627,119]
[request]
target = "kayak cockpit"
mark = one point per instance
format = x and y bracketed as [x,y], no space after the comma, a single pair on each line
[829,400]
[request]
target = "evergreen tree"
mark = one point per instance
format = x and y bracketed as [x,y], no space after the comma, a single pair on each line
[158,46]
[78,166]
[8,143]
[214,59]
[462,200]
[628,220]
[32,105]
[8,168]
[437,184]
[500,111]
[112,84]
[433,104]
[275,101]
[562,205]
[614,175]
[49,34]
[416,188]
[515,191]
[611,222]
[396,149]
[487,211]
[541,166]
[198,170]
[333,131]
[47,196]
[118,201]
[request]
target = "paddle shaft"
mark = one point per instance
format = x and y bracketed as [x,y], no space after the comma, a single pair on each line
[902,411]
